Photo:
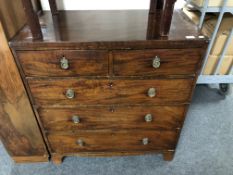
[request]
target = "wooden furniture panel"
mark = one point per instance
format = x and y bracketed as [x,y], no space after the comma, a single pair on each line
[113,141]
[131,117]
[32,19]
[12,16]
[19,130]
[106,92]
[126,29]
[64,63]
[53,7]
[159,62]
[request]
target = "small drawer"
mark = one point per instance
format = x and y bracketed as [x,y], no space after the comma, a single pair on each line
[132,117]
[90,141]
[71,91]
[159,62]
[64,63]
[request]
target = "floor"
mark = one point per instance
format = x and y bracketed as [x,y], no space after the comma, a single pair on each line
[205,148]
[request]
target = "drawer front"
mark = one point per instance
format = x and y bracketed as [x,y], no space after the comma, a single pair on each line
[137,117]
[113,141]
[156,62]
[64,63]
[105,92]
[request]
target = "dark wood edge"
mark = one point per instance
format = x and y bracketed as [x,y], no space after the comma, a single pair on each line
[30,159]
[39,6]
[68,133]
[120,45]
[43,130]
[111,154]
[112,77]
[32,20]
[166,17]
[53,7]
[110,106]
[153,6]
[168,155]
[115,105]
[110,64]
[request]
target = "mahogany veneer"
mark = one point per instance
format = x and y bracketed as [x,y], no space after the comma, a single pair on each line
[52,92]
[19,131]
[138,62]
[123,141]
[108,118]
[47,63]
[103,84]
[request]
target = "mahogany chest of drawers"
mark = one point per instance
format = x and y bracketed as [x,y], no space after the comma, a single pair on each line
[100,87]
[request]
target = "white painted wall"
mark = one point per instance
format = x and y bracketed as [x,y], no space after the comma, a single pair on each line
[98,4]
[102,4]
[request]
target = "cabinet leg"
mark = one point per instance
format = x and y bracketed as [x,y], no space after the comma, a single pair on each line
[57,159]
[168,156]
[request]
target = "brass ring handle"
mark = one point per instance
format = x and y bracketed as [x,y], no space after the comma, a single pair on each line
[151,92]
[64,63]
[70,94]
[156,62]
[80,142]
[148,118]
[145,141]
[75,119]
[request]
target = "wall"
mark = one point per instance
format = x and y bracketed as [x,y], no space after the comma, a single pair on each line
[103,4]
[98,4]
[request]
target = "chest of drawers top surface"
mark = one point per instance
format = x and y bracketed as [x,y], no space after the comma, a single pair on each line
[120,29]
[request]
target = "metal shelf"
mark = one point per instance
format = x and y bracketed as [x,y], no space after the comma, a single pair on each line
[215,77]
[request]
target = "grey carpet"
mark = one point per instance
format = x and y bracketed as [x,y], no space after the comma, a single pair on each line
[205,148]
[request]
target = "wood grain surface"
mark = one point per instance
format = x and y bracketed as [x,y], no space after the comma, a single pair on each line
[12,16]
[112,118]
[107,92]
[113,141]
[32,20]
[47,63]
[108,29]
[172,62]
[19,131]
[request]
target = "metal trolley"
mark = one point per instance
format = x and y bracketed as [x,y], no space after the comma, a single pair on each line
[224,81]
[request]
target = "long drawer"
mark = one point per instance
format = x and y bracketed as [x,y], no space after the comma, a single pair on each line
[113,141]
[132,117]
[74,91]
[64,63]
[156,62]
